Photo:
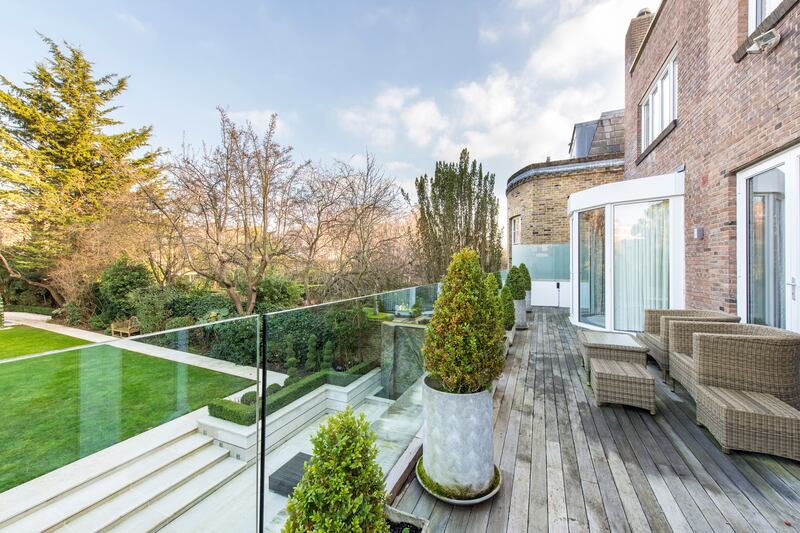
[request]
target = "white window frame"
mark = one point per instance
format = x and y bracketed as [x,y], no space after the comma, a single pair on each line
[515,227]
[758,10]
[660,103]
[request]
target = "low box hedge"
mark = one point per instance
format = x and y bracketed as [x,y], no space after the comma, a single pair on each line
[235,412]
[36,309]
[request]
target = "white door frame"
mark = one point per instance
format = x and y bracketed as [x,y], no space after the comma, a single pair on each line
[789,161]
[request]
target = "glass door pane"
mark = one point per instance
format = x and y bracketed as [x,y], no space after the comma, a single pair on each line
[641,262]
[591,267]
[766,254]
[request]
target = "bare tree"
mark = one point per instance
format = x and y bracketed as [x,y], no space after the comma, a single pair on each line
[231,208]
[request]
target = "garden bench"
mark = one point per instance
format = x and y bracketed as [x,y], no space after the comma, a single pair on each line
[126,327]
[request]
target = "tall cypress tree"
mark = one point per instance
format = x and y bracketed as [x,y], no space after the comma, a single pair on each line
[58,161]
[457,209]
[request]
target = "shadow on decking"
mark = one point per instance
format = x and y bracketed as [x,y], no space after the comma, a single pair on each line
[568,464]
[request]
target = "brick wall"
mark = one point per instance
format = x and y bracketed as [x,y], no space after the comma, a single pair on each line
[541,202]
[729,115]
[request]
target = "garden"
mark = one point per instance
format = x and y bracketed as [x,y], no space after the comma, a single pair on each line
[62,407]
[16,341]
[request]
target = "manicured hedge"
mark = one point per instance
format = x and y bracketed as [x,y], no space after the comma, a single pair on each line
[249,398]
[235,412]
[37,309]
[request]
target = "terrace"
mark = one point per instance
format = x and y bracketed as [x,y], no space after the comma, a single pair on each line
[135,459]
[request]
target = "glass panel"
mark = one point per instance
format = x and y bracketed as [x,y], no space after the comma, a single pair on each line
[641,262]
[765,251]
[545,262]
[591,267]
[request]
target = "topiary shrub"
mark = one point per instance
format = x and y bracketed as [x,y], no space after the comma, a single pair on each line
[249,397]
[312,354]
[499,279]
[231,411]
[327,355]
[507,304]
[464,342]
[342,487]
[516,284]
[526,276]
[273,388]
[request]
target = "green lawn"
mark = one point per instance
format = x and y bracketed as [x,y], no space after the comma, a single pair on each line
[23,340]
[59,408]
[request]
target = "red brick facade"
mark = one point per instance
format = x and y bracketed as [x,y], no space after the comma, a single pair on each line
[730,114]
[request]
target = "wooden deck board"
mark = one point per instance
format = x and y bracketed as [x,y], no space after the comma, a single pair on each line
[569,465]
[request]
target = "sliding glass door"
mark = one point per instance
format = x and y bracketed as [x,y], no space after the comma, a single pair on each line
[592,266]
[641,262]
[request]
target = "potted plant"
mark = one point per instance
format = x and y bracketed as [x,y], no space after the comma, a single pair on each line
[507,305]
[516,284]
[342,488]
[526,279]
[464,355]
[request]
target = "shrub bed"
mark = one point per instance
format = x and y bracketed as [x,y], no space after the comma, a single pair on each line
[37,309]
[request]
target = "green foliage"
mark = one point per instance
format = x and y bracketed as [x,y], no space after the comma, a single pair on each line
[117,282]
[327,355]
[274,292]
[498,278]
[199,302]
[297,325]
[231,411]
[454,492]
[457,209]
[526,276]
[59,161]
[249,398]
[73,314]
[313,356]
[272,388]
[235,341]
[464,342]
[516,284]
[2,313]
[179,322]
[349,327]
[342,488]
[507,304]
[152,305]
[97,322]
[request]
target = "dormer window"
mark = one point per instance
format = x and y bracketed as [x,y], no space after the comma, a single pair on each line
[759,10]
[658,107]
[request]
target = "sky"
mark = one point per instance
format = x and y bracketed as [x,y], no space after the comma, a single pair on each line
[412,82]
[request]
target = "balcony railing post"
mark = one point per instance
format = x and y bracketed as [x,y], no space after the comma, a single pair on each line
[263,330]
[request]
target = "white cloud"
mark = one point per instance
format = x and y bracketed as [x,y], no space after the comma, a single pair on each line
[260,119]
[488,35]
[132,23]
[422,121]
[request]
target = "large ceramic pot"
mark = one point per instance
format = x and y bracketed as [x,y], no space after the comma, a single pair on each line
[528,306]
[520,317]
[457,449]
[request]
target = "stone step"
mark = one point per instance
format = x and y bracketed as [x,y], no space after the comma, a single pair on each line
[148,491]
[66,506]
[162,511]
[30,497]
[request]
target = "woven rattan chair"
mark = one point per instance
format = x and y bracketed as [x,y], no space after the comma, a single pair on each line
[656,330]
[745,380]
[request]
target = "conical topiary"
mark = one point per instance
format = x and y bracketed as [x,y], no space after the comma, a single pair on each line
[526,276]
[342,488]
[464,343]
[516,283]
[499,279]
[507,303]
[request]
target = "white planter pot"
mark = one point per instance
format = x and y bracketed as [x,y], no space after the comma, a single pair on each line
[520,317]
[528,306]
[397,516]
[457,446]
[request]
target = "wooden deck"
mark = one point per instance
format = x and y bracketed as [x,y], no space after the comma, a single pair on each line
[569,465]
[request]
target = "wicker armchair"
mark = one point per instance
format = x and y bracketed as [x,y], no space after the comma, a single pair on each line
[745,380]
[656,330]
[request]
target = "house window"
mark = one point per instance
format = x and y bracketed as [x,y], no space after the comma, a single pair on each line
[515,230]
[759,10]
[657,109]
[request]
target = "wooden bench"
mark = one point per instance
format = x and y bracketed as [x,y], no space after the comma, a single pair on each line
[126,327]
[623,383]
